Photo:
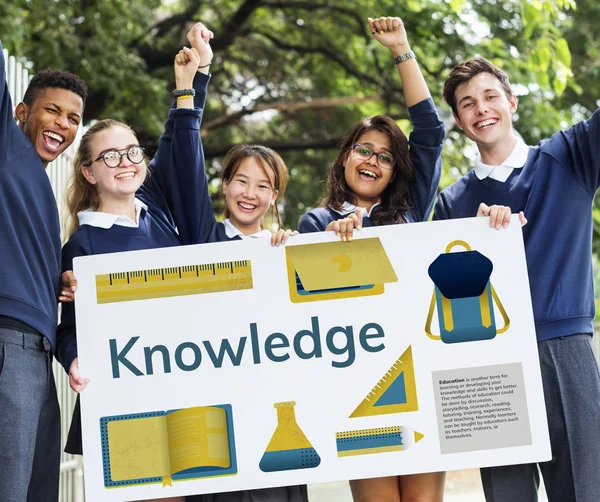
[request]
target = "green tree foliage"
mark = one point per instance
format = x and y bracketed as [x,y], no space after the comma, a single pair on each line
[294,74]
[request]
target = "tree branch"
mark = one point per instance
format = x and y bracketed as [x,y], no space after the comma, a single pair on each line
[316,6]
[325,52]
[156,58]
[232,29]
[284,105]
[161,28]
[435,74]
[211,152]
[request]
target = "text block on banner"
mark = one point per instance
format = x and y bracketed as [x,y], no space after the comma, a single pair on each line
[238,365]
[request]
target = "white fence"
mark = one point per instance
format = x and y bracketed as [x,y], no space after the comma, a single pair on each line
[71,478]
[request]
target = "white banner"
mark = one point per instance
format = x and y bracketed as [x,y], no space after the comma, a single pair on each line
[236,365]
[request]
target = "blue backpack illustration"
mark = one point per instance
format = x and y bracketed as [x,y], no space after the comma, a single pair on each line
[464,297]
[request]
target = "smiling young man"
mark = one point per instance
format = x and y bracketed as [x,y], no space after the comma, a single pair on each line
[48,119]
[554,183]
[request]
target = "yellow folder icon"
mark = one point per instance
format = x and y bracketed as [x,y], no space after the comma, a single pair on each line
[333,270]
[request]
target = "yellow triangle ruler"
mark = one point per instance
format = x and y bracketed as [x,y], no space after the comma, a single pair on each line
[396,392]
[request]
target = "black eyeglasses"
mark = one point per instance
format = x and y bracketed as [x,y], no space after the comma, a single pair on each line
[363,152]
[113,158]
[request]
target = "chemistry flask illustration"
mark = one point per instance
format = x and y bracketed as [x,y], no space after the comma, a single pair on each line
[289,448]
[464,297]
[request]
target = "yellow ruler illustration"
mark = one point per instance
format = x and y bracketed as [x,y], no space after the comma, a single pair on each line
[396,392]
[173,281]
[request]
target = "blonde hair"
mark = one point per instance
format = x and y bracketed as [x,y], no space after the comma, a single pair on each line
[266,159]
[81,194]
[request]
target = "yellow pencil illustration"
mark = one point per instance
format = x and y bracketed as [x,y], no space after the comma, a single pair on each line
[377,440]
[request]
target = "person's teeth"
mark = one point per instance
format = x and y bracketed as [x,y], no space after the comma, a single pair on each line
[55,136]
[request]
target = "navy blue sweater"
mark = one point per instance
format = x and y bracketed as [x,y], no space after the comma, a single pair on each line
[556,190]
[29,228]
[425,147]
[177,185]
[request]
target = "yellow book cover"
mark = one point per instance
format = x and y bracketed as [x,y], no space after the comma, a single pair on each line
[166,446]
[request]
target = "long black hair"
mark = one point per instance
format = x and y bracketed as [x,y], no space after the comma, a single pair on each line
[395,199]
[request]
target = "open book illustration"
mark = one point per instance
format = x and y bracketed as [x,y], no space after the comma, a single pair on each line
[166,446]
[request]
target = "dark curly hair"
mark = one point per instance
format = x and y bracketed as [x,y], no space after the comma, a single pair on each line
[395,199]
[47,79]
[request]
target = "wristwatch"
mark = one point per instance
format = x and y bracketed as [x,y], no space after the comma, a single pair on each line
[183,92]
[403,57]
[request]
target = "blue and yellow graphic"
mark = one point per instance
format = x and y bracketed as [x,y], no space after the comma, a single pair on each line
[396,392]
[162,447]
[334,270]
[173,281]
[378,440]
[464,297]
[289,448]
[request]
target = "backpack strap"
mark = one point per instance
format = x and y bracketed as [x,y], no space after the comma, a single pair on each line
[502,311]
[457,243]
[484,307]
[429,319]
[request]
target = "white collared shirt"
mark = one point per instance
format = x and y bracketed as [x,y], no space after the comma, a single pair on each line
[106,220]
[516,159]
[351,208]
[232,232]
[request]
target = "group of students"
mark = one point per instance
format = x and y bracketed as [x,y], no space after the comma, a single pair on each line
[118,203]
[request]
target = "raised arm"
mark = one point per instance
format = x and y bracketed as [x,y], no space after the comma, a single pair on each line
[199,37]
[10,136]
[578,150]
[427,138]
[390,32]
[193,211]
[178,166]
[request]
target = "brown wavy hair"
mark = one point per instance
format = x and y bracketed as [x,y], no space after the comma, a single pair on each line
[469,69]
[268,160]
[395,199]
[81,194]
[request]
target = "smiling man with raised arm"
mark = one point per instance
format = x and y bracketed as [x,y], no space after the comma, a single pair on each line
[48,119]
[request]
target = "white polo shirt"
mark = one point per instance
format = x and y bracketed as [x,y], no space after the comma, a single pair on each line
[516,159]
[106,220]
[232,232]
